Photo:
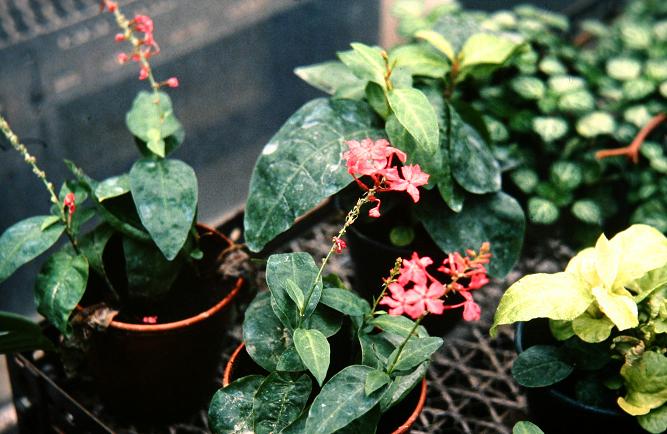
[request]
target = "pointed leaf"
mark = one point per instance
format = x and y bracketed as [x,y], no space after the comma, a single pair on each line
[399,325]
[264,334]
[415,351]
[279,401]
[92,245]
[375,380]
[344,301]
[366,62]
[540,366]
[302,165]
[556,296]
[112,187]
[486,48]
[152,119]
[402,386]
[290,361]
[230,410]
[24,241]
[165,194]
[419,60]
[295,293]
[60,286]
[496,218]
[149,274]
[329,412]
[18,334]
[330,77]
[414,111]
[438,41]
[313,348]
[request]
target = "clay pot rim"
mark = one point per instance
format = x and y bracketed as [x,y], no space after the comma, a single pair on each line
[402,429]
[157,328]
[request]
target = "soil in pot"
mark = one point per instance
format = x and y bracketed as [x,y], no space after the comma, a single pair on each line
[398,420]
[555,409]
[156,372]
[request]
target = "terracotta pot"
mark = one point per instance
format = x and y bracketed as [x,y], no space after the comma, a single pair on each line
[161,372]
[246,366]
[554,410]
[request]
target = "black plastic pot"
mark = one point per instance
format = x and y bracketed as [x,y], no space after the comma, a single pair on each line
[557,413]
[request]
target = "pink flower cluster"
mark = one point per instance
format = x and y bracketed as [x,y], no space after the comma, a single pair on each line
[416,292]
[375,159]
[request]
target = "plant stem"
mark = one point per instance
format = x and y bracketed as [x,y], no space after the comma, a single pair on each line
[32,161]
[392,278]
[400,349]
[632,150]
[453,74]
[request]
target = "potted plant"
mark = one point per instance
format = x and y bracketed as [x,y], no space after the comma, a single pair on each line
[140,291]
[364,360]
[407,95]
[602,352]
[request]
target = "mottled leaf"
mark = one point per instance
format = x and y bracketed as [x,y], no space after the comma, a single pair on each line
[415,351]
[525,427]
[152,120]
[230,410]
[279,401]
[414,111]
[344,301]
[313,348]
[265,337]
[112,187]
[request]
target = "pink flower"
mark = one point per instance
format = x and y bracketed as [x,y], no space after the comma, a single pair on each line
[426,299]
[471,310]
[70,203]
[414,270]
[172,82]
[143,23]
[143,73]
[110,5]
[413,177]
[396,302]
[119,37]
[340,244]
[478,280]
[121,58]
[370,157]
[375,211]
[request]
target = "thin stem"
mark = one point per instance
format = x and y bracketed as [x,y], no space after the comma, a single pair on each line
[385,285]
[453,74]
[407,338]
[632,150]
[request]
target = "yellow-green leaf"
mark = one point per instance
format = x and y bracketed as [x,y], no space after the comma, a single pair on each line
[643,248]
[486,48]
[438,41]
[590,329]
[620,309]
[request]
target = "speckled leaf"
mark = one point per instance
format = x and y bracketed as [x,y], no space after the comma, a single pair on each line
[265,337]
[402,386]
[542,211]
[414,111]
[152,120]
[112,187]
[24,241]
[375,380]
[324,319]
[59,287]
[330,77]
[496,218]
[458,28]
[149,274]
[290,361]
[279,401]
[473,165]
[415,351]
[18,334]
[165,194]
[92,245]
[230,410]
[300,268]
[329,412]
[302,165]
[314,350]
[399,325]
[344,301]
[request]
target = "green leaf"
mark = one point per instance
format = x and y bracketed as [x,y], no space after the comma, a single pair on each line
[18,334]
[331,77]
[529,87]
[419,60]
[399,325]
[375,380]
[365,62]
[345,301]
[329,412]
[24,241]
[588,211]
[279,401]
[557,296]
[59,287]
[290,361]
[646,381]
[300,268]
[549,128]
[149,274]
[655,421]
[542,211]
[152,120]
[313,348]
[525,427]
[300,167]
[324,319]
[165,194]
[595,124]
[112,187]
[295,293]
[560,329]
[415,351]
[375,350]
[590,329]
[496,218]
[472,163]
[414,111]
[402,386]
[633,243]
[230,410]
[485,49]
[438,41]
[263,333]
[376,98]
[92,245]
[540,366]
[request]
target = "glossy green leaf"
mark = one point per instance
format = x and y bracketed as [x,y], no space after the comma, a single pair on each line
[290,361]
[59,287]
[557,296]
[112,187]
[313,348]
[24,241]
[324,319]
[279,401]
[486,48]
[230,410]
[265,337]
[165,195]
[419,60]
[18,334]
[399,325]
[525,427]
[414,111]
[345,301]
[540,366]
[438,41]
[496,218]
[149,274]
[375,350]
[329,412]
[415,351]
[402,386]
[299,268]
[472,163]
[375,380]
[152,120]
[295,293]
[92,245]
[331,77]
[365,62]
[300,167]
